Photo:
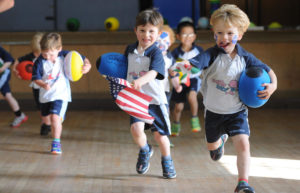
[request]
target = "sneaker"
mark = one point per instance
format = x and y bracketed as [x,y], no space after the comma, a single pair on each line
[175,129]
[19,120]
[218,153]
[243,187]
[168,169]
[143,165]
[45,129]
[56,147]
[195,124]
[172,144]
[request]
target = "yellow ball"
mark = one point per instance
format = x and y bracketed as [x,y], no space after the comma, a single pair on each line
[111,24]
[73,66]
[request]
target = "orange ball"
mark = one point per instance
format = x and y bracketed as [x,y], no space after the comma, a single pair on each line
[25,69]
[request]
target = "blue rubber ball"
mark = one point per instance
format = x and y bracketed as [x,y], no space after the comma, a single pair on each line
[112,64]
[250,83]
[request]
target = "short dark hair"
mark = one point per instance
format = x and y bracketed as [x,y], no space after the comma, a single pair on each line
[149,16]
[185,24]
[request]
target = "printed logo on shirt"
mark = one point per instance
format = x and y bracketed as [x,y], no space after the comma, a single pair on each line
[230,88]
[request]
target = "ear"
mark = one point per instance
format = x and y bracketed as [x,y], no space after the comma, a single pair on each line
[177,36]
[240,36]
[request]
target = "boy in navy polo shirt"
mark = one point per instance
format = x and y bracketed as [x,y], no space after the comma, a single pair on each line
[145,72]
[55,91]
[225,114]
[5,61]
[186,34]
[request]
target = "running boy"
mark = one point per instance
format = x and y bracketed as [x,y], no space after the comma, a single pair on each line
[225,114]
[32,56]
[186,34]
[5,61]
[145,72]
[55,91]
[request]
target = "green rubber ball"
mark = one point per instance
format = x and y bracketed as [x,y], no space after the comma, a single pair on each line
[73,24]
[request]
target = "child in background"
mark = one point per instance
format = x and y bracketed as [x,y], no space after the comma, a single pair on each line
[55,91]
[5,61]
[186,34]
[145,72]
[225,114]
[165,40]
[32,56]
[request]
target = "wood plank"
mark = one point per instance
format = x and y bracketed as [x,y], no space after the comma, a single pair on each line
[99,155]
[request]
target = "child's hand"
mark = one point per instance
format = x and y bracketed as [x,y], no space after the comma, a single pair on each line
[86,66]
[136,84]
[178,89]
[46,86]
[265,94]
[16,72]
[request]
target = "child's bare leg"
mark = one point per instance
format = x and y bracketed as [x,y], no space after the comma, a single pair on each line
[13,103]
[163,142]
[242,146]
[46,120]
[177,112]
[138,134]
[56,125]
[193,102]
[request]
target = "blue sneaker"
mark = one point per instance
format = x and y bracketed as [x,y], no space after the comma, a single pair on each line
[56,147]
[243,187]
[168,169]
[142,165]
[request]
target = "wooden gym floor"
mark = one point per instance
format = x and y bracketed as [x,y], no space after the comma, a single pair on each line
[99,156]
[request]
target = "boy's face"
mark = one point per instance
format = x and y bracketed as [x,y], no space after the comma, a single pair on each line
[51,54]
[146,35]
[226,36]
[187,36]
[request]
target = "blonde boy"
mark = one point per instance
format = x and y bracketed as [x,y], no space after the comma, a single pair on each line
[55,91]
[225,114]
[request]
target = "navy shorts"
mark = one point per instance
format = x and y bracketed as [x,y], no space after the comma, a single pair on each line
[232,124]
[36,95]
[5,88]
[161,122]
[181,97]
[57,107]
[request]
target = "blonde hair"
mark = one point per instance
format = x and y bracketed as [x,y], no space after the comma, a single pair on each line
[231,15]
[51,41]
[170,31]
[35,42]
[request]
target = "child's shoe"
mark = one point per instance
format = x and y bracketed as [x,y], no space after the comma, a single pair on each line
[175,129]
[218,153]
[45,129]
[56,147]
[243,187]
[168,169]
[143,165]
[195,124]
[19,120]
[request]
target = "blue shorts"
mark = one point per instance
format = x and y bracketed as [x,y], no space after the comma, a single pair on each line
[232,124]
[5,88]
[161,122]
[181,97]
[36,95]
[57,107]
